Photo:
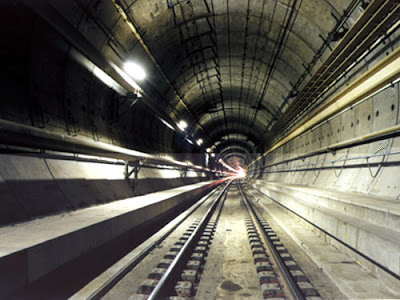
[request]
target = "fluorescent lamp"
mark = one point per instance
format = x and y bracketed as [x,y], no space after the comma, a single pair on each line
[167,124]
[134,70]
[182,125]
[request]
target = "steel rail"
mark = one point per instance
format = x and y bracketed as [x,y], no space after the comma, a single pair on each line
[162,285]
[371,260]
[109,284]
[291,283]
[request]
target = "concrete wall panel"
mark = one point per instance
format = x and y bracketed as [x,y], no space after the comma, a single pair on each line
[33,187]
[359,206]
[41,246]
[31,184]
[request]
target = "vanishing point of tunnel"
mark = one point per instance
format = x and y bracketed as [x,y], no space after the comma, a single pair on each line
[200,149]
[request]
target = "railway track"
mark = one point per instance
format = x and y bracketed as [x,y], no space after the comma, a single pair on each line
[179,271]
[280,276]
[179,265]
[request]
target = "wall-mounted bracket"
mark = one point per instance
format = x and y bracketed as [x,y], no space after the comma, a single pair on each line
[379,151]
[136,166]
[183,172]
[325,42]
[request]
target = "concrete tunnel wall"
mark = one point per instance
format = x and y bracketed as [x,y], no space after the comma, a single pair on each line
[51,86]
[32,187]
[37,248]
[360,207]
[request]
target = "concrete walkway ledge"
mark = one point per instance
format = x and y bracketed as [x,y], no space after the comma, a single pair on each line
[30,250]
[365,227]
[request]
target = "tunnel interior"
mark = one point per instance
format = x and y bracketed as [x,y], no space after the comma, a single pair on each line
[106,100]
[227,69]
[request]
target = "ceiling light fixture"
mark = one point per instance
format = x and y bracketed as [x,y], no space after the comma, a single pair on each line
[199,142]
[208,150]
[182,125]
[134,70]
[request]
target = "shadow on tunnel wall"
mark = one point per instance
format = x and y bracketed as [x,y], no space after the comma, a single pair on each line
[23,200]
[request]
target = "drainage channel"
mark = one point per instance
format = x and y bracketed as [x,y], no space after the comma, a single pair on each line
[280,276]
[178,274]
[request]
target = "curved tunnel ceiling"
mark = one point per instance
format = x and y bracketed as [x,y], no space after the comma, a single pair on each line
[226,66]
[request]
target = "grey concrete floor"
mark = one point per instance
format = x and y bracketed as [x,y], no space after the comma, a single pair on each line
[230,272]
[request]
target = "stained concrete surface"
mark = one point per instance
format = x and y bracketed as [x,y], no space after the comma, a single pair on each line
[230,272]
[33,187]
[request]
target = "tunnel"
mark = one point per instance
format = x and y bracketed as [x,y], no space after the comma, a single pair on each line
[200,149]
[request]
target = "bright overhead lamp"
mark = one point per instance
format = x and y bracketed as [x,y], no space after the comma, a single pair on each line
[199,142]
[182,125]
[212,154]
[208,150]
[134,70]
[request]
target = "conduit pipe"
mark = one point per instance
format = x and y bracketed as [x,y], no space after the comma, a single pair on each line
[365,139]
[12,133]
[383,74]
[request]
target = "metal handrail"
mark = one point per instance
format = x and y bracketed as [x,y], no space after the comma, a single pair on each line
[12,133]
